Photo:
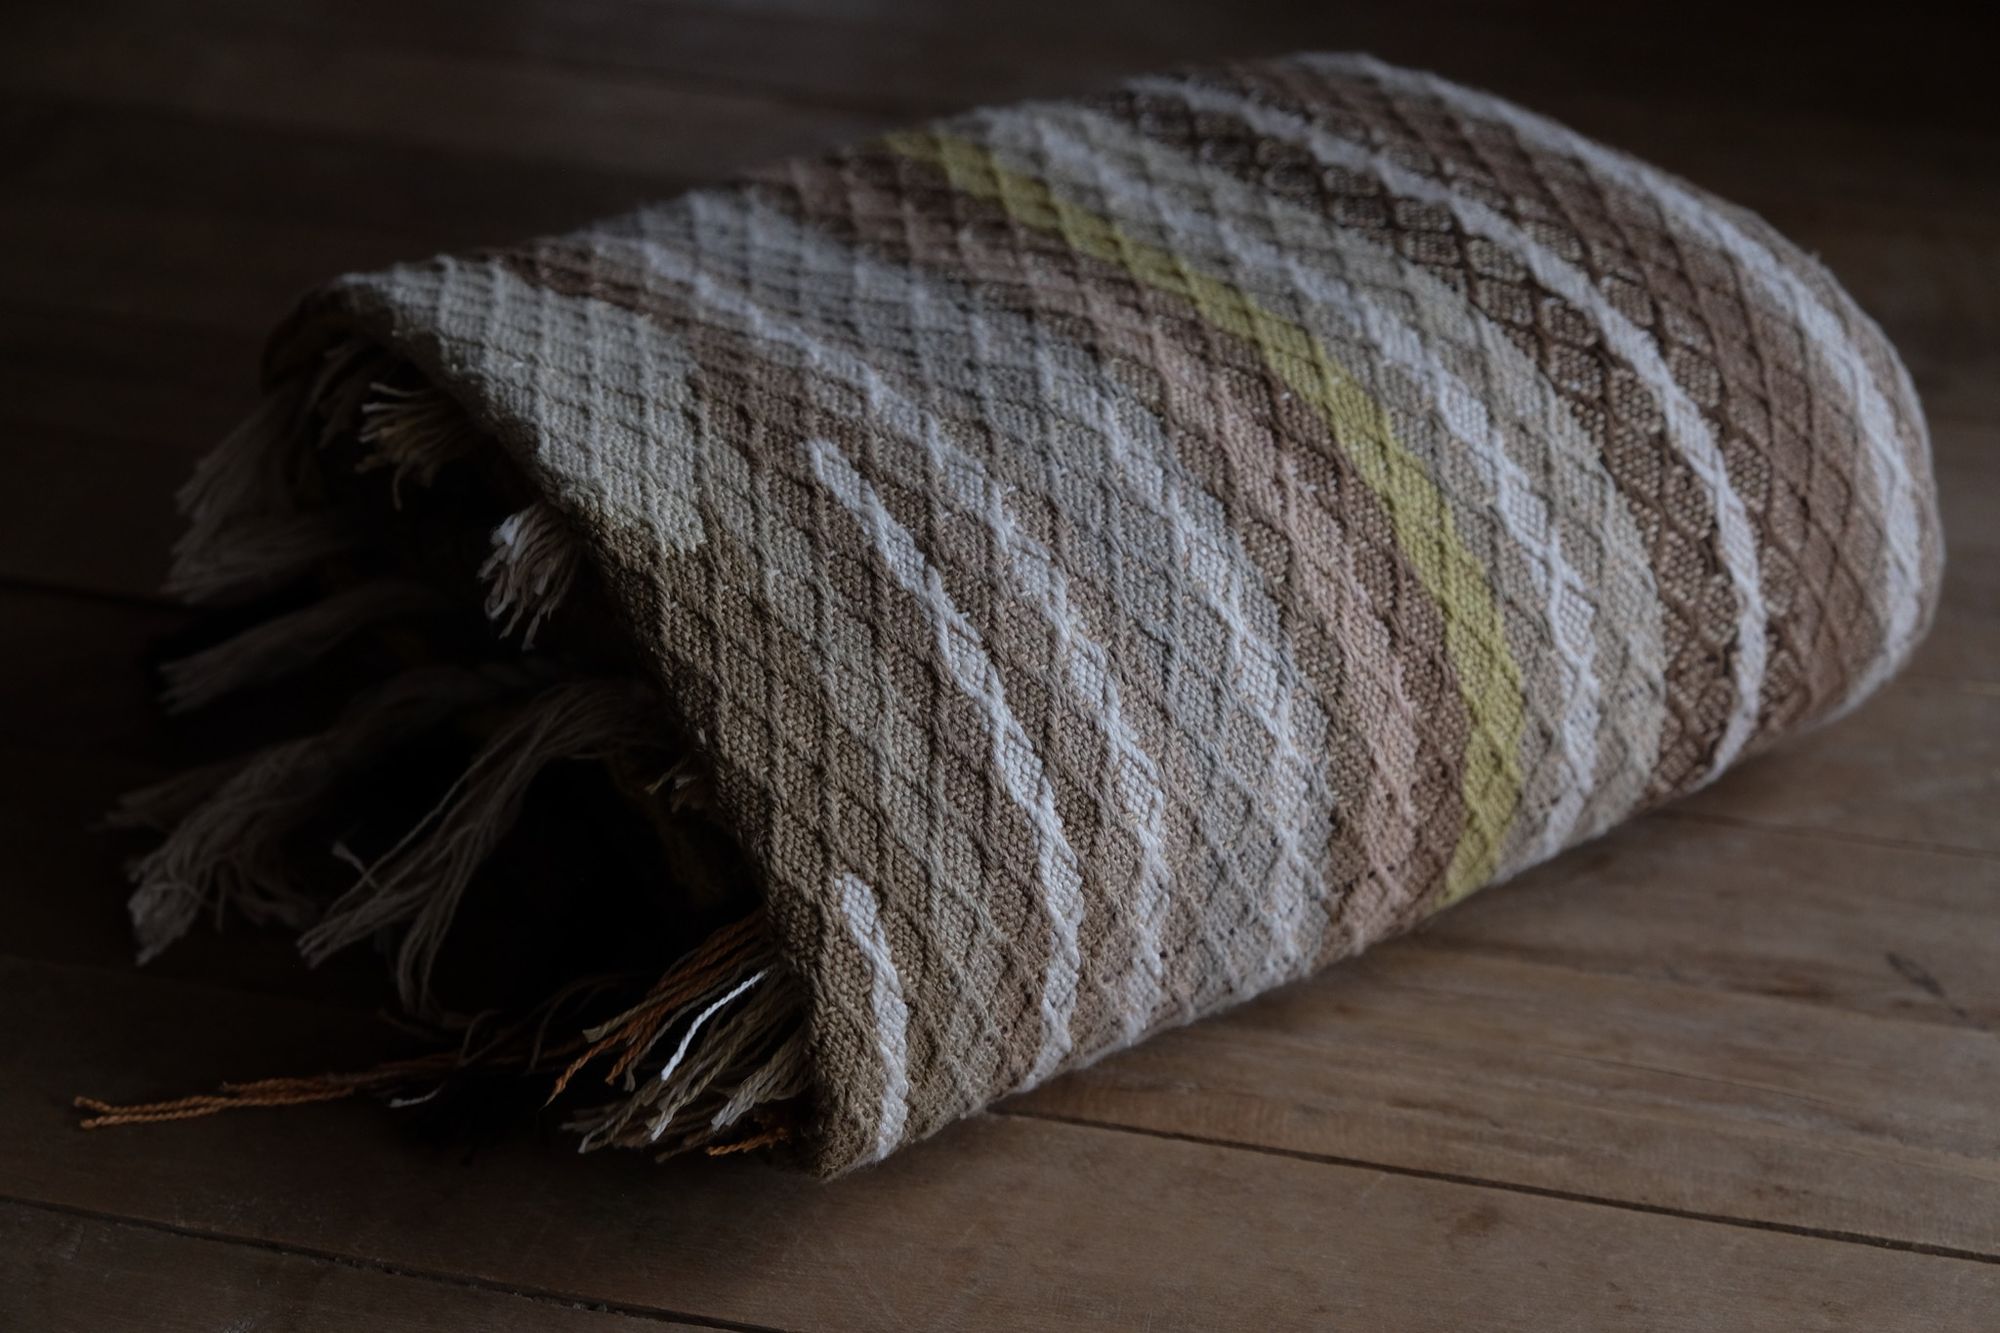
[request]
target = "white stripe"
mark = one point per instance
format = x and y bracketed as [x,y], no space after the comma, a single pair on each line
[1206,551]
[1338,309]
[1013,755]
[1827,336]
[869,708]
[968,489]
[885,1000]
[1685,424]
[1135,775]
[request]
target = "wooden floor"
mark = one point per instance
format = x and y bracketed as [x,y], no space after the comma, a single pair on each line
[1733,1067]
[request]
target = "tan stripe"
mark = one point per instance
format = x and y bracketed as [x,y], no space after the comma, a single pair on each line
[1742,361]
[1354,296]
[1250,961]
[1666,499]
[1775,406]
[1285,474]
[1814,333]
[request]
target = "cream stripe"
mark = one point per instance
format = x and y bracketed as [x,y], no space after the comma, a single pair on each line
[885,1000]
[1685,424]
[858,712]
[1078,139]
[1827,336]
[1013,754]
[1488,677]
[1134,774]
[1294,902]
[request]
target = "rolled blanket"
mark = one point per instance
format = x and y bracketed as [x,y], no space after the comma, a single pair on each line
[959,605]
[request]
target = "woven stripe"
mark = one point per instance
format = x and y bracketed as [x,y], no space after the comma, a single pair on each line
[886,1005]
[1387,780]
[1492,680]
[1689,431]
[1828,338]
[1014,758]
[1154,199]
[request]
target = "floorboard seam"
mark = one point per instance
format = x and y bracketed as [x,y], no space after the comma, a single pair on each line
[1510,1187]
[539,1295]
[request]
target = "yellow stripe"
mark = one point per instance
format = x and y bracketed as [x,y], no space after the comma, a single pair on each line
[1488,678]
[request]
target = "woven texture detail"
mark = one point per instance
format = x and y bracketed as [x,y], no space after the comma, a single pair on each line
[1121,555]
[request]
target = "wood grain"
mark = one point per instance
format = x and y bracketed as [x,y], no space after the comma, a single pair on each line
[60,1270]
[1919,763]
[1002,1222]
[1732,1066]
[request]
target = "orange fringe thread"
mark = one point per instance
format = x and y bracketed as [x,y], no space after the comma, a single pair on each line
[724,952]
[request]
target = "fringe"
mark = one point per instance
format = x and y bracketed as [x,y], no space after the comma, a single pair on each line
[533,565]
[165,804]
[247,527]
[254,554]
[733,1083]
[226,849]
[731,1058]
[413,433]
[289,643]
[713,1056]
[422,878]
[251,472]
[348,373]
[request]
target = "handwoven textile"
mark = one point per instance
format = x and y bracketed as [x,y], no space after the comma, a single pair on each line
[1107,558]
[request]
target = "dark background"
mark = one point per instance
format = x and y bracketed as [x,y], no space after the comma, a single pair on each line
[1733,1066]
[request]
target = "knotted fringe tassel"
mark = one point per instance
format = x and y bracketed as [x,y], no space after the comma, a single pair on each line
[738,1068]
[413,433]
[226,848]
[422,878]
[245,527]
[712,1056]
[256,553]
[289,643]
[533,565]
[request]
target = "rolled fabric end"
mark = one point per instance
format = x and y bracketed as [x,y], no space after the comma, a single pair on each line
[1045,577]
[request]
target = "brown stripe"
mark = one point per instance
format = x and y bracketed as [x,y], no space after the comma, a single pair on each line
[1791,449]
[1674,514]
[982,1000]
[1267,457]
[1833,501]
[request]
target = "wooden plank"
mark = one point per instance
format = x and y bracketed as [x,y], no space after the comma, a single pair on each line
[89,514]
[505,111]
[1724,956]
[1004,1222]
[1820,1050]
[1474,1060]
[1728,907]
[1965,644]
[911,54]
[72,670]
[153,378]
[1919,764]
[122,157]
[59,1270]
[1751,1004]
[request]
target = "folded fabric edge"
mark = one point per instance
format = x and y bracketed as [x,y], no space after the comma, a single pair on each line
[712,1053]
